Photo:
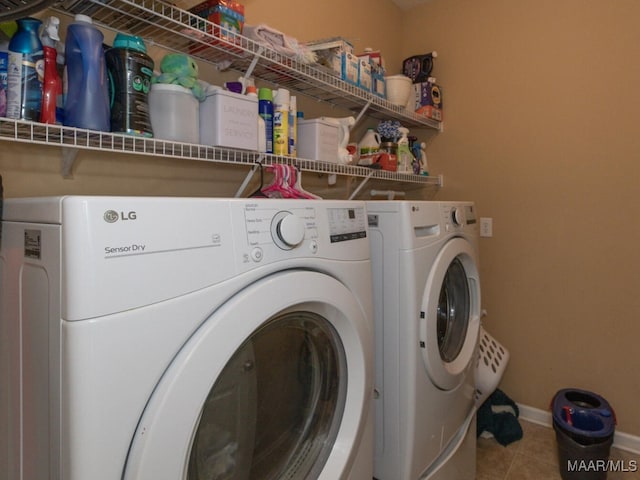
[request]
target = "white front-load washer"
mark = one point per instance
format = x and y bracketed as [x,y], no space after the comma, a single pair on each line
[427,317]
[182,338]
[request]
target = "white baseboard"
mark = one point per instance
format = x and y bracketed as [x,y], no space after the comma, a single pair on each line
[621,440]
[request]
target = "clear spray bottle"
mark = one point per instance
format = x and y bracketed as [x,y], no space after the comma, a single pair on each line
[405,157]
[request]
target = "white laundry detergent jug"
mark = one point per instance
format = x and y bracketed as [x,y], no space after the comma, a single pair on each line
[368,146]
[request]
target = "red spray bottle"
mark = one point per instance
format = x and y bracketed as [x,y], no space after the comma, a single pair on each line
[52,84]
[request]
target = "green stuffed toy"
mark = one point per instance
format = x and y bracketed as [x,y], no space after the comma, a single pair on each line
[180,69]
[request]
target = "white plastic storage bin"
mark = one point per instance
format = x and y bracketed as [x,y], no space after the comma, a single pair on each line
[229,119]
[174,113]
[318,140]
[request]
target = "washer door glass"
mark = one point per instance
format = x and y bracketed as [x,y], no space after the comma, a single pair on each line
[275,409]
[274,383]
[453,311]
[450,314]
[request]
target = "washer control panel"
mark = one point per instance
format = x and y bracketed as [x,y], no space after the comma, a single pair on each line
[458,216]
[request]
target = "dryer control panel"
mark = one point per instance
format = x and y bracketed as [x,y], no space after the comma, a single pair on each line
[150,249]
[277,230]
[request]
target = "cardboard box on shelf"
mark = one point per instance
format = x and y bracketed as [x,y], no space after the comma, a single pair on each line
[365,80]
[226,13]
[374,57]
[329,52]
[378,83]
[428,100]
[350,68]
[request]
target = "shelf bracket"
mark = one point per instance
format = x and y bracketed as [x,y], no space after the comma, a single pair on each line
[362,112]
[69,156]
[249,176]
[359,187]
[254,62]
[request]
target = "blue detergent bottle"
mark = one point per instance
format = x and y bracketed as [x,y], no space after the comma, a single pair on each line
[87,93]
[25,71]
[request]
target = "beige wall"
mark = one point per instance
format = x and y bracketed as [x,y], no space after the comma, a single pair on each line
[541,110]
[542,101]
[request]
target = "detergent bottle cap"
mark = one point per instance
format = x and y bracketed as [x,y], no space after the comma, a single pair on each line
[83,18]
[130,42]
[403,132]
[265,94]
[49,35]
[281,96]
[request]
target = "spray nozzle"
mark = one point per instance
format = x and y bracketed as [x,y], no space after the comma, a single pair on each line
[49,35]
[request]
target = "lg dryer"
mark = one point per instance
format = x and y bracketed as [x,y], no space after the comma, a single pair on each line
[174,338]
[427,318]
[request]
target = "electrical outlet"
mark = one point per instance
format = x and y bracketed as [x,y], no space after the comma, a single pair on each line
[486,227]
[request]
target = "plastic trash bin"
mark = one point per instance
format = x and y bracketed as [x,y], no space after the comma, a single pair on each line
[584,423]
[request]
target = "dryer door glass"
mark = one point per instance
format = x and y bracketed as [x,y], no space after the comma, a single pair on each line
[453,311]
[275,410]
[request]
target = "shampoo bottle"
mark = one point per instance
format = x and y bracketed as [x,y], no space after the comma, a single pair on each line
[87,93]
[25,71]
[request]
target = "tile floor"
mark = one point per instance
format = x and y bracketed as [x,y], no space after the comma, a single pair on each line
[535,457]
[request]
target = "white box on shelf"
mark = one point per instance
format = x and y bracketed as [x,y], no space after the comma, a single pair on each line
[318,140]
[350,68]
[364,75]
[173,111]
[229,119]
[329,52]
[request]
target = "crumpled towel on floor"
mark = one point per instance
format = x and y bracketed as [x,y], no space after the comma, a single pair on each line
[498,415]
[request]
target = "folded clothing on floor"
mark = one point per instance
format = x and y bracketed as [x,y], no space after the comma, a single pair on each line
[498,415]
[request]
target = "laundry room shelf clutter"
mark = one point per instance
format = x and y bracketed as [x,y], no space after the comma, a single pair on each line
[166,26]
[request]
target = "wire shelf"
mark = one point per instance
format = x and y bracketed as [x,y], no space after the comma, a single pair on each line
[77,138]
[165,25]
[160,23]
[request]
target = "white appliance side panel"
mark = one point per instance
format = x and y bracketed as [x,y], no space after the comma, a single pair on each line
[32,210]
[30,330]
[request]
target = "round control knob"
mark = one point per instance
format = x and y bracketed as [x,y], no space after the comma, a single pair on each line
[287,230]
[456,216]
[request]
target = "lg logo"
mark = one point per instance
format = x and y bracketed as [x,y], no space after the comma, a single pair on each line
[111,216]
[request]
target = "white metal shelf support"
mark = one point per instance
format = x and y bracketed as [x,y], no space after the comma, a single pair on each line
[69,156]
[252,65]
[359,187]
[363,111]
[249,176]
